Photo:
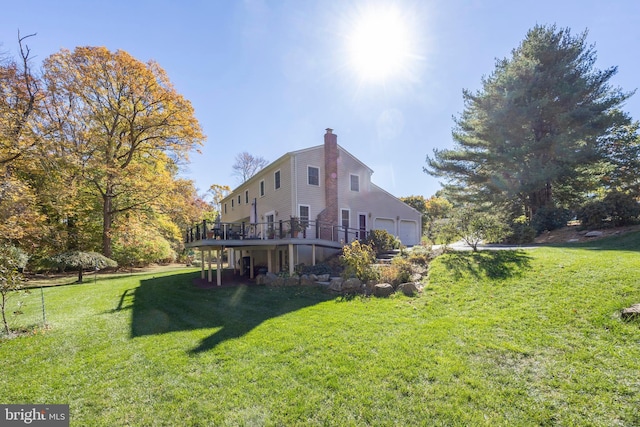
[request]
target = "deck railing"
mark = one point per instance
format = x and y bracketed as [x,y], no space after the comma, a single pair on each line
[283,229]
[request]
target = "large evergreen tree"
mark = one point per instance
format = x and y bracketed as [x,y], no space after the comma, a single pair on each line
[530,137]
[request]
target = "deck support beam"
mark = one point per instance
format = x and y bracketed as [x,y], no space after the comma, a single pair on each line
[202,264]
[209,278]
[219,270]
[291,266]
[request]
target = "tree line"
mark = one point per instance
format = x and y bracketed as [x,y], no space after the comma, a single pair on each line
[91,146]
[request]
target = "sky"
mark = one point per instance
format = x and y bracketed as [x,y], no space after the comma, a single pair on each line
[268,77]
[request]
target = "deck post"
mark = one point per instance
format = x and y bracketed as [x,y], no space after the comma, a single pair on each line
[219,270]
[209,279]
[250,264]
[291,266]
[313,254]
[269,261]
[202,264]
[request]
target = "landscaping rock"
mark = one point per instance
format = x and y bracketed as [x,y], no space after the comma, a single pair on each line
[409,289]
[307,280]
[352,285]
[336,284]
[630,313]
[382,290]
[323,278]
[594,234]
[269,278]
[312,277]
[261,279]
[292,281]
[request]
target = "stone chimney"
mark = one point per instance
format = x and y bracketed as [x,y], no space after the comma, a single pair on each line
[330,213]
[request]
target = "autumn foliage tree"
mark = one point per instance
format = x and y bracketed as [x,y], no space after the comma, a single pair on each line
[122,124]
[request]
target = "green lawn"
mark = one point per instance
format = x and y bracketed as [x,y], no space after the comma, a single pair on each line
[497,338]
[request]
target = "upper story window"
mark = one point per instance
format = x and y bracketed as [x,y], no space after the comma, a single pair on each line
[231,203]
[239,200]
[276,179]
[355,182]
[225,208]
[262,188]
[246,196]
[313,175]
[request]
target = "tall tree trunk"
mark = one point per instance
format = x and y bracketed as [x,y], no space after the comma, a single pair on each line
[107,220]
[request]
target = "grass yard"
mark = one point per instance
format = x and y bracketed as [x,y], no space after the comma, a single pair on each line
[497,338]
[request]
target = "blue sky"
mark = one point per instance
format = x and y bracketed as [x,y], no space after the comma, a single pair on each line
[268,77]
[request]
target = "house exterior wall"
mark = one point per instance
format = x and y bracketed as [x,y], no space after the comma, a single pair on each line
[378,208]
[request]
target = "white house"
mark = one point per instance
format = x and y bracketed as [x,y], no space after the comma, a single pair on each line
[324,192]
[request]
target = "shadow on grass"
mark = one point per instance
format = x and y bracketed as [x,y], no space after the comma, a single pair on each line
[497,265]
[173,303]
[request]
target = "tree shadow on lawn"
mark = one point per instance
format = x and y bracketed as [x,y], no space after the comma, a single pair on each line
[497,265]
[174,303]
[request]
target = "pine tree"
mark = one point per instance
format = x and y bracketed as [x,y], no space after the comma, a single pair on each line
[530,137]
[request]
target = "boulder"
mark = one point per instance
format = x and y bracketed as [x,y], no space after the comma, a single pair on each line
[594,234]
[292,281]
[352,285]
[382,290]
[312,277]
[323,277]
[409,289]
[307,280]
[336,284]
[630,313]
[261,279]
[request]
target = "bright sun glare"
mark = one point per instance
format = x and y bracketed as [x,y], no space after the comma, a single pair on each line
[380,44]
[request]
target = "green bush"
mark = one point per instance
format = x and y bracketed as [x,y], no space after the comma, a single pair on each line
[381,241]
[520,232]
[550,218]
[616,209]
[358,259]
[623,208]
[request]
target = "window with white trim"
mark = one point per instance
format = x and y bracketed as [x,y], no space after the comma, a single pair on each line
[355,182]
[303,213]
[246,196]
[276,180]
[345,218]
[313,175]
[262,188]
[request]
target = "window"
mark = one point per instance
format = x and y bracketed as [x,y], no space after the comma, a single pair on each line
[313,175]
[246,196]
[355,183]
[225,208]
[304,215]
[231,203]
[262,188]
[238,200]
[345,218]
[276,179]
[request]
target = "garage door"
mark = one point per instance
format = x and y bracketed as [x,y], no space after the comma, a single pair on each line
[408,232]
[385,224]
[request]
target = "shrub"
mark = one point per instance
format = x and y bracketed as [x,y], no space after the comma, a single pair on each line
[623,208]
[358,259]
[550,218]
[318,269]
[593,214]
[381,241]
[520,232]
[419,255]
[615,209]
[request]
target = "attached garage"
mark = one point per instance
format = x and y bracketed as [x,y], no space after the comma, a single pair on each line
[408,232]
[385,224]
